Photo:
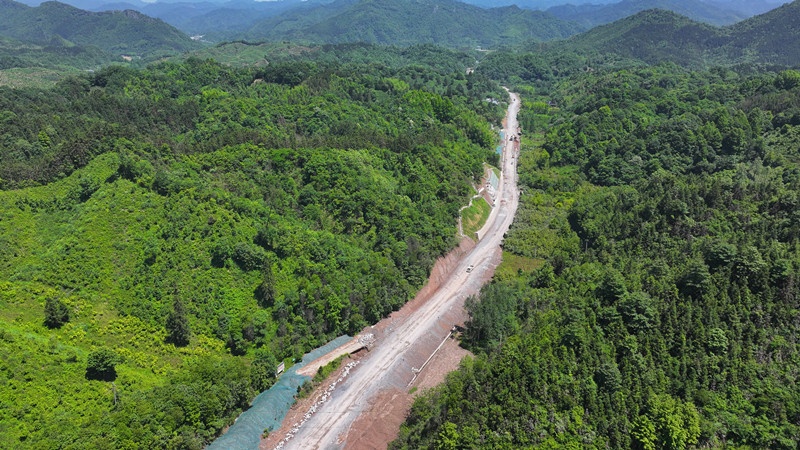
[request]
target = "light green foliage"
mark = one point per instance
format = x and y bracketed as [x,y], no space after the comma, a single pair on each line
[474,217]
[788,79]
[244,221]
[668,424]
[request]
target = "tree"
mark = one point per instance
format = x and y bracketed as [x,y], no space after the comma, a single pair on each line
[448,437]
[638,311]
[787,79]
[178,331]
[56,313]
[669,424]
[265,292]
[262,370]
[101,365]
[696,280]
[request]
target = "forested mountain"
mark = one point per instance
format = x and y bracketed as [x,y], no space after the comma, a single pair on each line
[216,21]
[650,36]
[178,230]
[119,33]
[654,36]
[748,7]
[16,54]
[530,4]
[773,36]
[404,22]
[653,293]
[591,15]
[743,8]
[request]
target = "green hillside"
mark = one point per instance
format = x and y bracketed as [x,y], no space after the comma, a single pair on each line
[592,15]
[405,22]
[57,58]
[651,36]
[118,33]
[773,37]
[655,36]
[194,224]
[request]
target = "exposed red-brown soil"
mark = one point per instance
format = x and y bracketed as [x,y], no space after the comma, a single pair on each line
[381,425]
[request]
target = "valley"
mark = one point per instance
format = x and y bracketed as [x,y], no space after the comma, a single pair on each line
[409,337]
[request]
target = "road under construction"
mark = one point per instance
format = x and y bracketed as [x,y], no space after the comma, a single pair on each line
[407,342]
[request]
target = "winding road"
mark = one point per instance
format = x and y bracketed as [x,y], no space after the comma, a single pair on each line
[388,364]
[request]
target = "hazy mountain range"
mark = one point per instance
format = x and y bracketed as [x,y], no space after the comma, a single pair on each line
[56,32]
[235,19]
[119,32]
[655,35]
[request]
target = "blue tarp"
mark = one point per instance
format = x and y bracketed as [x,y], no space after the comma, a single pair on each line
[270,407]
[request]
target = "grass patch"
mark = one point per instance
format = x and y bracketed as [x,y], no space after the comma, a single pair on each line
[328,369]
[513,265]
[473,218]
[243,54]
[33,77]
[308,387]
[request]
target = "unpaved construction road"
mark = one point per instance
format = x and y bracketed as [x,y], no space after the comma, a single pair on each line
[396,354]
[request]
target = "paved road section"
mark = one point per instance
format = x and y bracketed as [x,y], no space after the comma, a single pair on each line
[386,364]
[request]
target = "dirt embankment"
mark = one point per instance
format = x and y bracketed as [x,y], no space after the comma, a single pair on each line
[381,425]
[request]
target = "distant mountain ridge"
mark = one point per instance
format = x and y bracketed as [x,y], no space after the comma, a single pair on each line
[654,36]
[117,32]
[592,15]
[774,36]
[403,22]
[228,20]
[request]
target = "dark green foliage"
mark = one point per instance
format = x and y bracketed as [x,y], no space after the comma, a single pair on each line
[673,323]
[265,292]
[101,365]
[262,370]
[178,332]
[56,313]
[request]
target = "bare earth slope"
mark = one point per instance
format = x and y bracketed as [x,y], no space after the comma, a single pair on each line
[379,385]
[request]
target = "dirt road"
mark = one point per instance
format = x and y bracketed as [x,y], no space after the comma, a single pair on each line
[395,356]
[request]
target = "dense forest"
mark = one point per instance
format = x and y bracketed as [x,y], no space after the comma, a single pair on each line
[169,234]
[660,301]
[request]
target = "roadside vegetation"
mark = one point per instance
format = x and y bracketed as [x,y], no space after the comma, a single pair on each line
[473,217]
[664,205]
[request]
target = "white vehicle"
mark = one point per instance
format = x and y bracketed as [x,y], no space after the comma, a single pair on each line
[469,268]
